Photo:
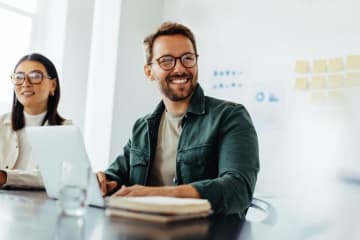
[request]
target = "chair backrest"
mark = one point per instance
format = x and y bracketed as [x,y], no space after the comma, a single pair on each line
[261,211]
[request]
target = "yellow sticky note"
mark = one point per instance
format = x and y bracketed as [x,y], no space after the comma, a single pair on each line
[317,82]
[302,66]
[353,62]
[301,84]
[335,81]
[319,66]
[352,79]
[336,96]
[335,65]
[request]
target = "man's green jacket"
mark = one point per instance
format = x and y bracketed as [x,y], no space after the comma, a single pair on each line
[217,153]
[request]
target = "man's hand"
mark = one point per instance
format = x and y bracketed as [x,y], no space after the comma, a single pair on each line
[139,190]
[105,185]
[185,191]
[3,177]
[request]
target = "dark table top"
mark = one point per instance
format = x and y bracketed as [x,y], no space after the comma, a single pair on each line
[32,215]
[332,214]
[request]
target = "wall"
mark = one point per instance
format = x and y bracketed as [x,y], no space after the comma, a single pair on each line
[97,48]
[301,141]
[102,81]
[62,32]
[135,96]
[49,31]
[76,58]
[104,89]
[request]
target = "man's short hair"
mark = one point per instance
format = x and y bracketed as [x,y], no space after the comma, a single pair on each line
[166,29]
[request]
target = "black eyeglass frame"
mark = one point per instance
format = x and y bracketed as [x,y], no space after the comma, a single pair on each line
[174,59]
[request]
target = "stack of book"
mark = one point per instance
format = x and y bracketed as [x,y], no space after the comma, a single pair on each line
[157,208]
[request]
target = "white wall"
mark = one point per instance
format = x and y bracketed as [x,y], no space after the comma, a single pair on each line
[263,40]
[97,49]
[62,32]
[260,40]
[102,81]
[76,58]
[49,31]
[135,96]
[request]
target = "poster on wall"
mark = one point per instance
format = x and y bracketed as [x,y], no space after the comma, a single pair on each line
[229,82]
[268,104]
[263,99]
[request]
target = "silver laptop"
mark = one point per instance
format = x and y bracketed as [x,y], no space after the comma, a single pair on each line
[50,145]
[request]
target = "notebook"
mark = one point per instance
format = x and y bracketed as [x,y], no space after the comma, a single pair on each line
[50,145]
[157,208]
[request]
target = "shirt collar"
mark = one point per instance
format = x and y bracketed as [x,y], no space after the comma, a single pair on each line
[7,118]
[197,104]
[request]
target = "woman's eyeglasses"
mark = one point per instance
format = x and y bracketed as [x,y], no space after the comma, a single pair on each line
[34,77]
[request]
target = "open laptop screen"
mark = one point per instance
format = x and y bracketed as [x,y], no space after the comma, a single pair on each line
[53,144]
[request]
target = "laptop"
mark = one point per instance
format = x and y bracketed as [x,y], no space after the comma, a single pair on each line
[50,145]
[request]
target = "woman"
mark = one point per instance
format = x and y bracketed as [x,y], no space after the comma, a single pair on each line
[35,102]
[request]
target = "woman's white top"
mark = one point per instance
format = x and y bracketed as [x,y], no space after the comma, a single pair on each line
[15,153]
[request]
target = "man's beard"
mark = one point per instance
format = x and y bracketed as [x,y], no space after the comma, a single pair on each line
[186,91]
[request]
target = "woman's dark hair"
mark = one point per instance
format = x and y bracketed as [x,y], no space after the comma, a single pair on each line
[52,116]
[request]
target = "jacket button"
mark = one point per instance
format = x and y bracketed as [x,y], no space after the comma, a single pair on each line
[7,167]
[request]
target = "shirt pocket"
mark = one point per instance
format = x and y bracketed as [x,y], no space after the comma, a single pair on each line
[138,167]
[198,163]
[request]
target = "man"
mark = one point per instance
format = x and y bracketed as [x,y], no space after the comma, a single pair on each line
[192,145]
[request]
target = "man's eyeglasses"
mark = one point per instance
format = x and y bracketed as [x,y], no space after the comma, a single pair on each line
[34,77]
[168,62]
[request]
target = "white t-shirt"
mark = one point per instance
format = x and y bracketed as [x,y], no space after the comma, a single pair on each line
[24,161]
[163,169]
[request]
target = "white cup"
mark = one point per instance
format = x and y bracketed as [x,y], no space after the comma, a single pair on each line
[74,181]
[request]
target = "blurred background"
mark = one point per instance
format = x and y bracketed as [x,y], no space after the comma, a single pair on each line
[294,64]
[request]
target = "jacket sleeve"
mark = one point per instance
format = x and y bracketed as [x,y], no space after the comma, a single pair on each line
[231,192]
[119,170]
[23,178]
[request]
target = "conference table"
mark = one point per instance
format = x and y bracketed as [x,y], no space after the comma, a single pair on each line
[28,214]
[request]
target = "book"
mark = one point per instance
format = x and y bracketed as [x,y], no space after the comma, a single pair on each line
[157,208]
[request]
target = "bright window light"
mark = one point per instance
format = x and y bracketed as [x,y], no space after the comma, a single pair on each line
[24,5]
[14,43]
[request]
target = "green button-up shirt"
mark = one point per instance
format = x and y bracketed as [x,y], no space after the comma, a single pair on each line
[217,153]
